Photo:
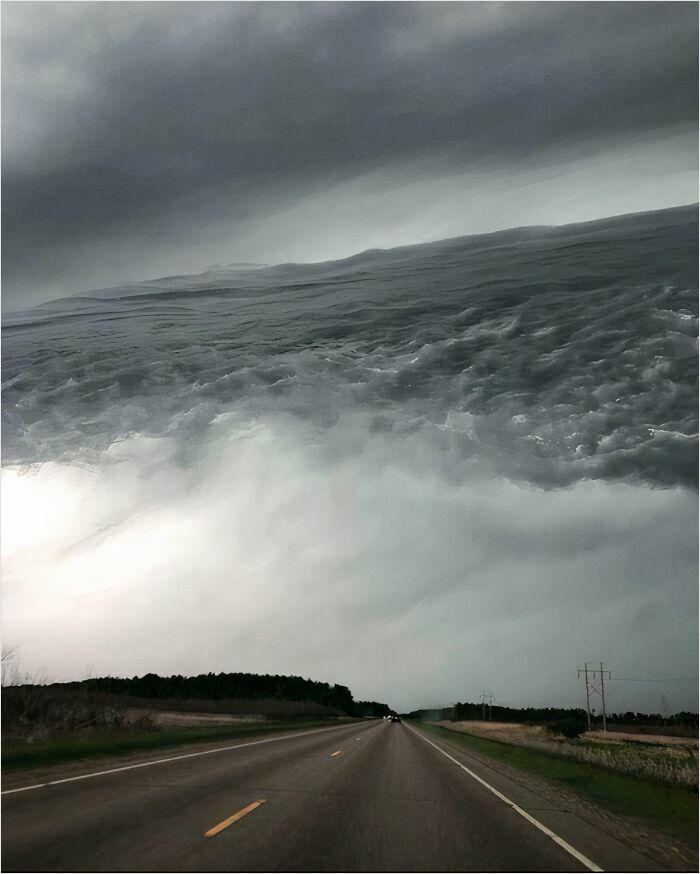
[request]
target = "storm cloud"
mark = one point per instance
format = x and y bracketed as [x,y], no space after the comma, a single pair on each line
[269,554]
[468,462]
[144,139]
[477,456]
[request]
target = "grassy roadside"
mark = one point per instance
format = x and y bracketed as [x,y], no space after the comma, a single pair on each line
[20,754]
[668,809]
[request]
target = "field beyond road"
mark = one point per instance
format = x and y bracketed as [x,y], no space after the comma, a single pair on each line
[670,761]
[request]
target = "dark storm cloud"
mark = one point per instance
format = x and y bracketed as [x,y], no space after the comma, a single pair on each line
[139,119]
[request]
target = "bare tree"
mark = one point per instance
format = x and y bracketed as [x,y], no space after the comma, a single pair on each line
[9,664]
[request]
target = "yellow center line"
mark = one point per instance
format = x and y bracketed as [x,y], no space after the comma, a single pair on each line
[236,816]
[336,753]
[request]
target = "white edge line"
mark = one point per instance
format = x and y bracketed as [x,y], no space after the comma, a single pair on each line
[531,819]
[252,743]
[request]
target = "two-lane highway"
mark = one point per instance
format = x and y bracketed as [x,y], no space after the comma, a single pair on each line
[374,796]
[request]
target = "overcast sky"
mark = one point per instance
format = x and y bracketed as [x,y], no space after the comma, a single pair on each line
[146,139]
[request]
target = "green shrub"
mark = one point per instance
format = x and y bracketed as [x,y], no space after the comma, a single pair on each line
[570,727]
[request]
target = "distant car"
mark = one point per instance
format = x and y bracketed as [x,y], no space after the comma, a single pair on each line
[395,718]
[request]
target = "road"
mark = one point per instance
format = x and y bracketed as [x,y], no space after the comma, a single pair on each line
[372,796]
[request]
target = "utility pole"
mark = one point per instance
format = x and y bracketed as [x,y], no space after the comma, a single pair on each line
[602,695]
[486,696]
[598,687]
[584,671]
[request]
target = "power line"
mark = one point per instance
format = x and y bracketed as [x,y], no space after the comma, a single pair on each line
[653,680]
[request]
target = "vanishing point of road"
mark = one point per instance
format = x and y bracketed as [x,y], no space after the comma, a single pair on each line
[370,796]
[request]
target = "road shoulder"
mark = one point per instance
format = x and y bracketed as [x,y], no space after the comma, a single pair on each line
[614,842]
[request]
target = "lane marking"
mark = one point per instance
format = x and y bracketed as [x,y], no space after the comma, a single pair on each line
[336,753]
[225,823]
[252,743]
[572,851]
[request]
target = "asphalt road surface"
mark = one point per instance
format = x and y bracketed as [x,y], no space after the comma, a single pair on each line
[372,796]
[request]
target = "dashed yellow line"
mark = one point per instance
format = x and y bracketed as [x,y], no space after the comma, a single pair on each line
[231,819]
[336,753]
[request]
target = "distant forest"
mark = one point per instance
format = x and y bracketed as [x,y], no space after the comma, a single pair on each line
[461,712]
[220,687]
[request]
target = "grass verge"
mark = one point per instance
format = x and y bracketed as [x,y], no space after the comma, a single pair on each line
[20,754]
[667,808]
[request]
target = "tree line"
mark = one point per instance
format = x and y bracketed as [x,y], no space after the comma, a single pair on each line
[372,709]
[467,711]
[218,687]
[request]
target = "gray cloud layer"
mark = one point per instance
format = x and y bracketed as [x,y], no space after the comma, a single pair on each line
[309,479]
[154,122]
[421,472]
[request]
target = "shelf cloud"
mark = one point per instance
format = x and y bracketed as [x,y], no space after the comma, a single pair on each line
[154,138]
